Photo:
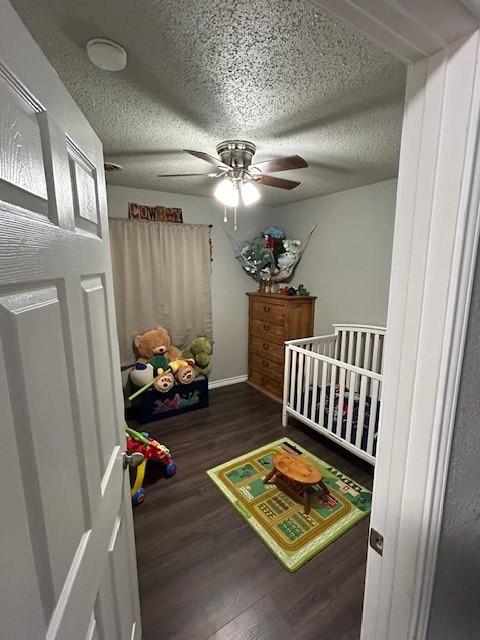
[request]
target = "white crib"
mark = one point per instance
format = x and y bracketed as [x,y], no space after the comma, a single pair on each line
[349,362]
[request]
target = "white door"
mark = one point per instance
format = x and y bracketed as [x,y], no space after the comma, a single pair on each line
[67,557]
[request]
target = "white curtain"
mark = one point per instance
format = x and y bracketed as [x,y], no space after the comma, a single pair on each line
[161,276]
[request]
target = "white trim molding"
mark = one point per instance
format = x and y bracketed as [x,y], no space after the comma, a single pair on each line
[226,382]
[435,247]
[434,252]
[410,29]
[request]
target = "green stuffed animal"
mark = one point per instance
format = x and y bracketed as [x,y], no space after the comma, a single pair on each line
[200,350]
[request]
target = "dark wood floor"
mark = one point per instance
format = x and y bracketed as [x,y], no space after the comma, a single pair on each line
[204,574]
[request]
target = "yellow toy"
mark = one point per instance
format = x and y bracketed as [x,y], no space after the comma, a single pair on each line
[164,380]
[183,369]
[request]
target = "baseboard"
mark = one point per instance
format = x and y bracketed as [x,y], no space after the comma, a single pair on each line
[265,392]
[226,382]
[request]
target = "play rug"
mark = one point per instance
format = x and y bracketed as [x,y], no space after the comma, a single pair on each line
[279,520]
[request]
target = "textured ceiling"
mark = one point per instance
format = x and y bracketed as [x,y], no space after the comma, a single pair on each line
[277,72]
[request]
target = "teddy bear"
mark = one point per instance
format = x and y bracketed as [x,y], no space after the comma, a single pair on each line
[155,342]
[144,375]
[154,348]
[183,369]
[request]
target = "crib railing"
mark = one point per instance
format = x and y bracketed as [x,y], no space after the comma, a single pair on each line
[360,345]
[319,389]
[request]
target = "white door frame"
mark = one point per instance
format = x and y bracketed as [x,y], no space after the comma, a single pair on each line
[434,254]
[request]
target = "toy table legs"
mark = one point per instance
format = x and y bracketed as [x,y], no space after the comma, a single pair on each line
[274,477]
[306,501]
[267,479]
[324,487]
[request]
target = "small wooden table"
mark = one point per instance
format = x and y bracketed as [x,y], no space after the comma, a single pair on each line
[296,469]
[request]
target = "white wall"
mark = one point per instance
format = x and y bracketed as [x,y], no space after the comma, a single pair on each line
[347,263]
[229,281]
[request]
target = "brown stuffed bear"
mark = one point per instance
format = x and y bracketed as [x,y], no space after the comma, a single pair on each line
[155,347]
[156,342]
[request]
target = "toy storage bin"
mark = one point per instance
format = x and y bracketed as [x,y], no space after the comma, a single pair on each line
[153,405]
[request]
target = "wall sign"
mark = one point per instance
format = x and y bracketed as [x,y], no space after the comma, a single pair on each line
[161,214]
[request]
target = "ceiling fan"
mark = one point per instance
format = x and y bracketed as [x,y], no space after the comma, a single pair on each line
[239,175]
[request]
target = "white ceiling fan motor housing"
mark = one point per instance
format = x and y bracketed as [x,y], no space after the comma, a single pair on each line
[237,154]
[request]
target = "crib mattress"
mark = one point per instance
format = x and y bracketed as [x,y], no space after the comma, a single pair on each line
[340,414]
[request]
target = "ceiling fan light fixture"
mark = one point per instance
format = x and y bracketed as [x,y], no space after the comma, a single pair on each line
[249,193]
[227,192]
[239,179]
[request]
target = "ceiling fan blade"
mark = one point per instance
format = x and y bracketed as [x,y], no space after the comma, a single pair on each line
[280,183]
[208,158]
[184,175]
[281,164]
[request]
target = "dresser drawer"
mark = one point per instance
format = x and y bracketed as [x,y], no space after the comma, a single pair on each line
[269,367]
[267,349]
[269,384]
[265,310]
[268,330]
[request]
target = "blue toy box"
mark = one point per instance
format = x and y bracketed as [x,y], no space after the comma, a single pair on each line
[153,405]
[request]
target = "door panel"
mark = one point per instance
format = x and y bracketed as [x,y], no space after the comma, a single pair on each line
[31,326]
[72,570]
[98,345]
[23,586]
[21,162]
[84,182]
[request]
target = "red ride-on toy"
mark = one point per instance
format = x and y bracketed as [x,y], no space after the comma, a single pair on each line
[151,449]
[157,463]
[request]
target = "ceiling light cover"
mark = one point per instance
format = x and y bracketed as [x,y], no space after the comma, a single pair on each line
[227,192]
[250,193]
[106,54]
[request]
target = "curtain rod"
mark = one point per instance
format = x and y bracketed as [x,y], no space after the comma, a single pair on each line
[198,224]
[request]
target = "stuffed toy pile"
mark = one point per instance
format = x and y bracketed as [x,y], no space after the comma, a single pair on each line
[160,363]
[270,254]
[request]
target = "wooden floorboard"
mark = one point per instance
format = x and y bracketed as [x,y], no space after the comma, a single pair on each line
[204,574]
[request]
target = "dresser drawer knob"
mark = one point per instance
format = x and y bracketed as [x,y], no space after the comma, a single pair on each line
[266,346]
[266,327]
[266,308]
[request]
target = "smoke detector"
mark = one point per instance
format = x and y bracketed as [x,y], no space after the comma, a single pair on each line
[106,54]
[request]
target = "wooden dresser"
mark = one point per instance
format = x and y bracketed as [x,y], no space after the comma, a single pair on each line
[274,318]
